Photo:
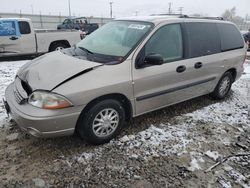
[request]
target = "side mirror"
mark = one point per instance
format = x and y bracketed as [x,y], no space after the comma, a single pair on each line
[154,59]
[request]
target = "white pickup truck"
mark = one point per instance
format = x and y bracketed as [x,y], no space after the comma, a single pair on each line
[18,37]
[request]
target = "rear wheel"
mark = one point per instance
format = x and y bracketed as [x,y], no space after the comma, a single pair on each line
[101,122]
[58,46]
[223,87]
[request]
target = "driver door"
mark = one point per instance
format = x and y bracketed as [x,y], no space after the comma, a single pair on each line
[9,34]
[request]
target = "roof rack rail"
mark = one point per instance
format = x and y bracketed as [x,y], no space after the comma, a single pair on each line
[166,15]
[201,17]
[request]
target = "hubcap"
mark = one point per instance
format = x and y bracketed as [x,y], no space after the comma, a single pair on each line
[105,122]
[224,86]
[59,48]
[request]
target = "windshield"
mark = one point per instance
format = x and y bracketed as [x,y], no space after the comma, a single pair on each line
[115,38]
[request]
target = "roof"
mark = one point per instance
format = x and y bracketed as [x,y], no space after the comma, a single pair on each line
[20,19]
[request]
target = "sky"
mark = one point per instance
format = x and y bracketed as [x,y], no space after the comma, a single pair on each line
[124,8]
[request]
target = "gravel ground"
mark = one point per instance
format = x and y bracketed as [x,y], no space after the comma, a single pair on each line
[177,146]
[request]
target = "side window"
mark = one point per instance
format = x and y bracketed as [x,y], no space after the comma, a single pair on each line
[230,37]
[67,21]
[7,28]
[203,39]
[24,27]
[167,42]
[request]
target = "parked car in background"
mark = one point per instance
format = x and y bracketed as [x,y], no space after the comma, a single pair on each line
[80,23]
[126,68]
[18,37]
[246,35]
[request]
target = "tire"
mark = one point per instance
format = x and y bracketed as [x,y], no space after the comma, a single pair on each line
[95,125]
[223,87]
[58,46]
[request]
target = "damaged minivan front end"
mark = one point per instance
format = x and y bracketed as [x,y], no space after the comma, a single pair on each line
[32,101]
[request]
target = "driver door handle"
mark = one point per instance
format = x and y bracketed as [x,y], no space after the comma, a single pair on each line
[13,38]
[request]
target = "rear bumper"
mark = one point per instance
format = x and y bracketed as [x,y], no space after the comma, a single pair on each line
[46,123]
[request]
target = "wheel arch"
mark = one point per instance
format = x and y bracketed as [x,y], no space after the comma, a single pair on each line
[65,42]
[233,72]
[115,96]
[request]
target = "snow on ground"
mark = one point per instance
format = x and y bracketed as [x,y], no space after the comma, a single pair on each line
[7,73]
[192,134]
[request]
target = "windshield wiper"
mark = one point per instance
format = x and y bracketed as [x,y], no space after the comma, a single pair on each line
[86,50]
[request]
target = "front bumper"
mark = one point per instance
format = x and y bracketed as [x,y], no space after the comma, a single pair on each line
[41,122]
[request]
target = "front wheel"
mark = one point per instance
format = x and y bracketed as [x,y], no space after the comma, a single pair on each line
[101,122]
[223,87]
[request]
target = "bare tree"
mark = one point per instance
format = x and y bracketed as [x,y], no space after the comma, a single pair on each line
[230,15]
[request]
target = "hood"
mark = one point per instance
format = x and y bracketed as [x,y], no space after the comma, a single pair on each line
[53,69]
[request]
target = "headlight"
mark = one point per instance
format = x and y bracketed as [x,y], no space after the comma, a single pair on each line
[48,100]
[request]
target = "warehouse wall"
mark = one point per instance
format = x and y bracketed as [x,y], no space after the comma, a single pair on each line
[50,21]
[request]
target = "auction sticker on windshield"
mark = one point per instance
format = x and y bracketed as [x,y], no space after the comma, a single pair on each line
[136,26]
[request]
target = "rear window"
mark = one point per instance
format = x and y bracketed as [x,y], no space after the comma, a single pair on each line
[230,37]
[24,27]
[203,39]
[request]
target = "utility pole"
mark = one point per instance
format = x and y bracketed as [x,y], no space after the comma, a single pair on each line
[69,8]
[169,7]
[41,20]
[181,10]
[111,11]
[32,9]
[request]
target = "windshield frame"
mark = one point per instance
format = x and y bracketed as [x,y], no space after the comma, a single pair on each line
[123,58]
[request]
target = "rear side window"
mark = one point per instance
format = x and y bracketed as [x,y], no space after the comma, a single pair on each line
[203,39]
[7,28]
[230,37]
[24,27]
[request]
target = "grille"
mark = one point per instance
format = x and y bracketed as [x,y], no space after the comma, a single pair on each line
[18,96]
[19,90]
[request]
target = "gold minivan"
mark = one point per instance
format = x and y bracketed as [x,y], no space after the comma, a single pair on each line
[124,69]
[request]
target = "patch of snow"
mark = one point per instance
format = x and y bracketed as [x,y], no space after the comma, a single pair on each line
[247,67]
[212,154]
[85,157]
[224,183]
[233,111]
[194,165]
[12,137]
[156,141]
[8,70]
[239,178]
[124,139]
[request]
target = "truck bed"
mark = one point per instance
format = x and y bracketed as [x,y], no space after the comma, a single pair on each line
[54,30]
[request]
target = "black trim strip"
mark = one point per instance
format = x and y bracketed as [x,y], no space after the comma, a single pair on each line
[173,89]
[236,48]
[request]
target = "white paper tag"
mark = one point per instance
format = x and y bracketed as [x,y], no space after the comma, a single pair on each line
[136,26]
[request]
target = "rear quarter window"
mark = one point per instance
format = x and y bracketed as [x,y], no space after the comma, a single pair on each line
[231,38]
[203,39]
[24,27]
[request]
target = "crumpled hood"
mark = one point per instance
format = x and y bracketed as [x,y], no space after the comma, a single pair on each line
[50,70]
